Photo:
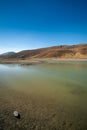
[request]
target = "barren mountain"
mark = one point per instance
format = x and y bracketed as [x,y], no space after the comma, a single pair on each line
[8,54]
[74,51]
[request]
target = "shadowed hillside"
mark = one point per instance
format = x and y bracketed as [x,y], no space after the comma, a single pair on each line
[74,51]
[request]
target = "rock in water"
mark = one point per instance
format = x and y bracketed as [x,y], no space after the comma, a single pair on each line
[15,113]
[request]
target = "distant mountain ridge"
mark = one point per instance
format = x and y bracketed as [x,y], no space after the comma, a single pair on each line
[64,51]
[8,54]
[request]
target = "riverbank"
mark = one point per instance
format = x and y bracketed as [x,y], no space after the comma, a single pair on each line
[39,61]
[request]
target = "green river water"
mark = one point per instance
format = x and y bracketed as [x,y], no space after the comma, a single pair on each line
[48,96]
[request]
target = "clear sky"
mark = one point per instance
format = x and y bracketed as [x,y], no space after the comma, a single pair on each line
[30,24]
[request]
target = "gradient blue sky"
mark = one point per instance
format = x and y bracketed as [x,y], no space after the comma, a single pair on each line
[30,24]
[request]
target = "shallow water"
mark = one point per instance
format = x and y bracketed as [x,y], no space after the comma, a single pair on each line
[50,96]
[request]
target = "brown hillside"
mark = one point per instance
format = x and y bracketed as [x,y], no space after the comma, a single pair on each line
[74,51]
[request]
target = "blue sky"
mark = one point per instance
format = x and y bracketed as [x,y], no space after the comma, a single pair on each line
[30,24]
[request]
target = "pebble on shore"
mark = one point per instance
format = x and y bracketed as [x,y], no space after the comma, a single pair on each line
[15,113]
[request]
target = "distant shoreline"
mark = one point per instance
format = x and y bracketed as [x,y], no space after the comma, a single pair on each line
[39,61]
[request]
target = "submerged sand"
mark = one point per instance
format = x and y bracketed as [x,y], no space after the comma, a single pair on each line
[39,113]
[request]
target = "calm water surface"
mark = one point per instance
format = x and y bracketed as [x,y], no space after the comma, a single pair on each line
[51,96]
